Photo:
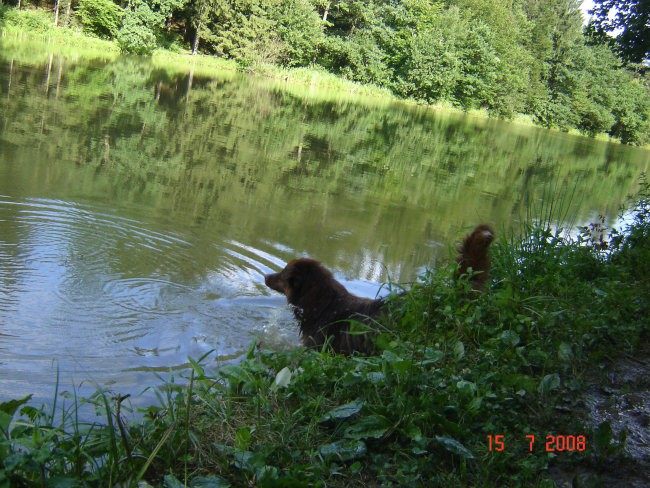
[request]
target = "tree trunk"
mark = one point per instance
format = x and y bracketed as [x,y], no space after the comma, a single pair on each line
[67,13]
[195,44]
[188,88]
[107,149]
[325,13]
[49,71]
[56,12]
[11,72]
[327,10]
[59,76]
[156,95]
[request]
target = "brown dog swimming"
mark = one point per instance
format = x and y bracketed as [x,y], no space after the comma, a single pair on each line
[324,308]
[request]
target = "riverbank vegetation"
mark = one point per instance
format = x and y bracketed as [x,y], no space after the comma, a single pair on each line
[506,58]
[457,370]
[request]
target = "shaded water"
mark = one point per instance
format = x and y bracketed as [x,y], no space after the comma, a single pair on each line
[140,207]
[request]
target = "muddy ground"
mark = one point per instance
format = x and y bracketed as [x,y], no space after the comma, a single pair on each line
[621,396]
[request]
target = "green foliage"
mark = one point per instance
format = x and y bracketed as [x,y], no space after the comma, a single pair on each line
[102,18]
[629,19]
[586,89]
[244,31]
[32,21]
[135,36]
[453,60]
[504,57]
[300,29]
[142,22]
[261,31]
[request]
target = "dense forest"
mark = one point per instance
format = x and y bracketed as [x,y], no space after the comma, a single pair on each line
[507,57]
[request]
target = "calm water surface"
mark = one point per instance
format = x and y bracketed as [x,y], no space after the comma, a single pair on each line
[140,208]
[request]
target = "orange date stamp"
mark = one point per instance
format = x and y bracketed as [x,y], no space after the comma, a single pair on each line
[552,443]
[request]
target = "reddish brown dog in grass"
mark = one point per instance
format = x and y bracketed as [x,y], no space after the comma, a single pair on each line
[325,309]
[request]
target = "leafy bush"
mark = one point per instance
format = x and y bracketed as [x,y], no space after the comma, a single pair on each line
[299,27]
[32,21]
[102,18]
[135,37]
[453,60]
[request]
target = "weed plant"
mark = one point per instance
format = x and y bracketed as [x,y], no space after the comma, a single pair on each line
[455,369]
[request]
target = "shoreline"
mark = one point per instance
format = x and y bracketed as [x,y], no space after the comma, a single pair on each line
[315,79]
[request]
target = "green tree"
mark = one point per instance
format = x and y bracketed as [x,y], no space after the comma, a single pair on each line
[102,18]
[454,59]
[631,19]
[556,32]
[300,28]
[142,24]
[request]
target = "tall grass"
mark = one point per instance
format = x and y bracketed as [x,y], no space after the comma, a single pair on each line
[456,368]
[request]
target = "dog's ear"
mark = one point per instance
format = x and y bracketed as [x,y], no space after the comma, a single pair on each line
[304,276]
[298,278]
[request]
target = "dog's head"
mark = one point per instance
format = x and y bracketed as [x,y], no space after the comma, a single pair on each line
[480,238]
[300,280]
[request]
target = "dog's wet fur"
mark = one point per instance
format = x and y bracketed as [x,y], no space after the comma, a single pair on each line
[325,309]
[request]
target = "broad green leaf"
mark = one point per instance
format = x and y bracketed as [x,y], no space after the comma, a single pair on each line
[459,350]
[372,426]
[466,388]
[12,406]
[170,481]
[455,447]
[510,337]
[549,383]
[243,438]
[565,353]
[65,482]
[344,450]
[344,411]
[209,482]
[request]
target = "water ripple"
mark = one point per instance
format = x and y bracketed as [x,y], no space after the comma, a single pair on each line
[102,295]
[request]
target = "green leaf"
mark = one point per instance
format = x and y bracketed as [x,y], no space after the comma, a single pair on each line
[5,421]
[344,411]
[475,404]
[549,383]
[459,350]
[209,482]
[466,388]
[8,409]
[170,481]
[432,356]
[237,375]
[510,337]
[62,482]
[455,447]
[243,438]
[383,341]
[344,450]
[565,353]
[372,426]
[12,406]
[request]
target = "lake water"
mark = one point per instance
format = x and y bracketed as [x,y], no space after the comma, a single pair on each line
[140,207]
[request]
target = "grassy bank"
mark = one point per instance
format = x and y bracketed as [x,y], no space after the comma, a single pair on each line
[36,25]
[457,369]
